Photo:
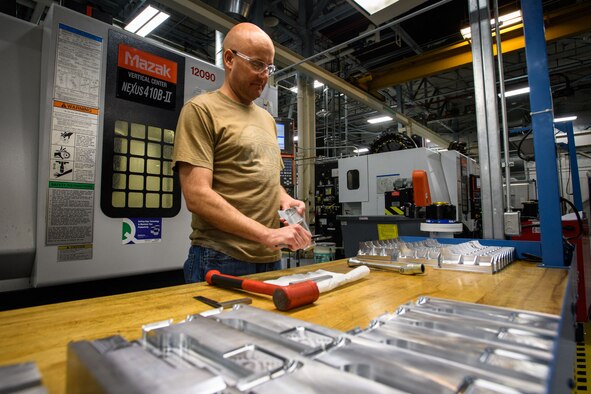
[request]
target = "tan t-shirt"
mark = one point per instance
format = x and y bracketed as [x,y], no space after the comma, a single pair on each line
[239,144]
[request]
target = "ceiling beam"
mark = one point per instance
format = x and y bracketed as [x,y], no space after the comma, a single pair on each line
[336,15]
[357,94]
[566,22]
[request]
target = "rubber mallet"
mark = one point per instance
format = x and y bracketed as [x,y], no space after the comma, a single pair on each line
[284,297]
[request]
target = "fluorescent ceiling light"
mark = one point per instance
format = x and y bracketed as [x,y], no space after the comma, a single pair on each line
[317,84]
[510,19]
[141,19]
[466,33]
[382,11]
[565,119]
[516,92]
[379,119]
[373,6]
[146,21]
[154,23]
[361,150]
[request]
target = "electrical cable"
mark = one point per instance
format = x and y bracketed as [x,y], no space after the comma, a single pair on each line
[520,152]
[388,142]
[579,220]
[568,184]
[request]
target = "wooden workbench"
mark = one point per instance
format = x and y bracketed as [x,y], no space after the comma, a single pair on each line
[41,334]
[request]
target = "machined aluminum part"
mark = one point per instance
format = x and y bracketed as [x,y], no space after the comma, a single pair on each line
[467,256]
[415,372]
[21,378]
[509,360]
[228,352]
[544,321]
[428,346]
[113,365]
[425,252]
[509,333]
[300,336]
[254,364]
[475,257]
[401,268]
[383,363]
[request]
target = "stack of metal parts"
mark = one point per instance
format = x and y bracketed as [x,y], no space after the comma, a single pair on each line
[474,257]
[431,346]
[467,256]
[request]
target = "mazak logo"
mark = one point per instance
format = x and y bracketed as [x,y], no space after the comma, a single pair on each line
[146,63]
[136,61]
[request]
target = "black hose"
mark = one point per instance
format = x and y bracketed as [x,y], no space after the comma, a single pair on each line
[579,220]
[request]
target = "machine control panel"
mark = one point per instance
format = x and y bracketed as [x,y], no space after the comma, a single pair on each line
[287,175]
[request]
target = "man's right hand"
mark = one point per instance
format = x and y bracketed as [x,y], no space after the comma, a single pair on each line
[293,237]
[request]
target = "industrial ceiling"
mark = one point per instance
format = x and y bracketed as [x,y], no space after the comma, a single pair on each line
[416,63]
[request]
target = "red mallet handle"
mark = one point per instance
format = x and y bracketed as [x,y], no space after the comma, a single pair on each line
[284,297]
[216,278]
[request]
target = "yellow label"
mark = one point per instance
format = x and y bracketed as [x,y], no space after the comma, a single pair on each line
[387,231]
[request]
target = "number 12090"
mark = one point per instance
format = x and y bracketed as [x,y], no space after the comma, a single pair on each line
[198,72]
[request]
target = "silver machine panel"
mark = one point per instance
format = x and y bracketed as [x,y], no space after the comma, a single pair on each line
[447,173]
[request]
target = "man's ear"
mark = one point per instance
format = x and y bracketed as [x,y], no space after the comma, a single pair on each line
[228,58]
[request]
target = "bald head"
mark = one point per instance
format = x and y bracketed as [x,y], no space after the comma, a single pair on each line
[248,51]
[245,37]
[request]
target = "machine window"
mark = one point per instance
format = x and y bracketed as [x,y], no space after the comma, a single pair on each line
[353,179]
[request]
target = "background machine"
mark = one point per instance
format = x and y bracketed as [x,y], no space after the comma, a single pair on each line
[381,185]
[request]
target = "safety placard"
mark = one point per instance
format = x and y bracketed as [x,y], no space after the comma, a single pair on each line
[73,141]
[74,252]
[78,66]
[70,209]
[75,114]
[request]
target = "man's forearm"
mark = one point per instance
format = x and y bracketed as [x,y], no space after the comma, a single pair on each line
[214,209]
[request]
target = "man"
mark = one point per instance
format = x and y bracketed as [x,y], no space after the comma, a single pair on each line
[228,159]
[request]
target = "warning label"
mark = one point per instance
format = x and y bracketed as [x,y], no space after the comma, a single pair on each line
[74,252]
[69,214]
[76,107]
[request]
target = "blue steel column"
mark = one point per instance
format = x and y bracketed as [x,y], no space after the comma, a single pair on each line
[567,127]
[540,98]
